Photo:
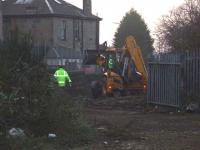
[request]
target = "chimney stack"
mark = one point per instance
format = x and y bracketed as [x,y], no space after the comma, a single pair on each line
[87,7]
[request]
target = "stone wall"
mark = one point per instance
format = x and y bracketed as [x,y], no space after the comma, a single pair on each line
[58,33]
[65,38]
[39,28]
[86,29]
[89,32]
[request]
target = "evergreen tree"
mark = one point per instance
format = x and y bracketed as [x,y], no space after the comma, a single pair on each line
[133,24]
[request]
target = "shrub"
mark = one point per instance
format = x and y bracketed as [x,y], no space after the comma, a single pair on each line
[30,100]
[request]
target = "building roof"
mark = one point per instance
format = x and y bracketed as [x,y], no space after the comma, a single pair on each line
[58,8]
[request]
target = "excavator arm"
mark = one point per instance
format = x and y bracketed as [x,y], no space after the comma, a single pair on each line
[132,63]
[136,56]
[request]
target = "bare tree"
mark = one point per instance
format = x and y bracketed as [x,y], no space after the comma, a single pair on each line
[180,29]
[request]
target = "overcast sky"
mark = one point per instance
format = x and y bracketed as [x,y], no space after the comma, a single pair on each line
[112,11]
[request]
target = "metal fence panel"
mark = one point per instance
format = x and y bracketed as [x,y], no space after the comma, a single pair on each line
[173,77]
[163,86]
[191,65]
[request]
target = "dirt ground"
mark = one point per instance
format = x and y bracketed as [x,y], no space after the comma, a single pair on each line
[128,123]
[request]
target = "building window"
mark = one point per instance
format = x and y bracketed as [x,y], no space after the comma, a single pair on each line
[63,30]
[76,30]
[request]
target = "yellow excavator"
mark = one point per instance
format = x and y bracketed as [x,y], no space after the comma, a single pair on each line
[124,71]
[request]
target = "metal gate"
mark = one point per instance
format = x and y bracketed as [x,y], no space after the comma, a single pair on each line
[165,82]
[191,75]
[173,77]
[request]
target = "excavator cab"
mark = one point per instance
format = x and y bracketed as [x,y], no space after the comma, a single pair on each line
[112,80]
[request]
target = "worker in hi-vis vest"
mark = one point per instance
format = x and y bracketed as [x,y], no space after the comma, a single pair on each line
[61,77]
[110,62]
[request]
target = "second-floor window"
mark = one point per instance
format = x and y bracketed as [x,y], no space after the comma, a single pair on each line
[63,30]
[76,30]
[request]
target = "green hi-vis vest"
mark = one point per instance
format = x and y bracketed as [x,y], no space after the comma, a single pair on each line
[61,76]
[110,63]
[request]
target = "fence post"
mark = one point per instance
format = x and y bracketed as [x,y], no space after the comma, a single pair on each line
[183,89]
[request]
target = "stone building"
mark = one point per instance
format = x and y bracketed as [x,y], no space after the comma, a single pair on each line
[66,32]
